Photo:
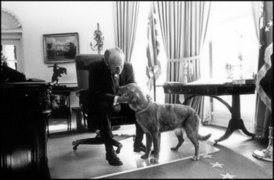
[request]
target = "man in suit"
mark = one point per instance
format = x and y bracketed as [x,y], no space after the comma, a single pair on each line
[105,77]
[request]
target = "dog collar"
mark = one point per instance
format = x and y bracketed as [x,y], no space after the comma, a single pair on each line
[143,110]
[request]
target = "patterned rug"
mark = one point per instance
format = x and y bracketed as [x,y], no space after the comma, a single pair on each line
[224,164]
[88,161]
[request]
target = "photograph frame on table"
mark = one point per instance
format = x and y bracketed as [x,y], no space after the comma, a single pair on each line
[60,48]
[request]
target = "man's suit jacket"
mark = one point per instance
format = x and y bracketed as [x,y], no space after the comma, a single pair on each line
[101,85]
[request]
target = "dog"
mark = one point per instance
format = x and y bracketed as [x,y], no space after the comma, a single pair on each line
[156,118]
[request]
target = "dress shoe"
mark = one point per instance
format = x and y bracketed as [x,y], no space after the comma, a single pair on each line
[113,160]
[139,148]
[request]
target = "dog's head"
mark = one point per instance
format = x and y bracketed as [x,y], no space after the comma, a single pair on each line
[134,95]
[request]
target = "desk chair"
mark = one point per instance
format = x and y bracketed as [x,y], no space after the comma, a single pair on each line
[83,61]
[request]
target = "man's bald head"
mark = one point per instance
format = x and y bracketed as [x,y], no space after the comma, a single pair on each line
[114,59]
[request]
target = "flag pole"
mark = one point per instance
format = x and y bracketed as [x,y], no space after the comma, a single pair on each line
[154,85]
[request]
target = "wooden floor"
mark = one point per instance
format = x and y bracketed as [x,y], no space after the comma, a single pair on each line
[237,142]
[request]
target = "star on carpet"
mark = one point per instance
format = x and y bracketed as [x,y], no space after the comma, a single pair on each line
[216,164]
[227,176]
[207,156]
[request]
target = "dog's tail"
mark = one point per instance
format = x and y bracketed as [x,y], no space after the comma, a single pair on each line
[203,138]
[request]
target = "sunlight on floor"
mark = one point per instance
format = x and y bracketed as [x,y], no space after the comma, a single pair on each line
[58,127]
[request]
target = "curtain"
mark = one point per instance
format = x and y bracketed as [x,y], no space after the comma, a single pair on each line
[153,68]
[257,10]
[264,78]
[125,22]
[183,26]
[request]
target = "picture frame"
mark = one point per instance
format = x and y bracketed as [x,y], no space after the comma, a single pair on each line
[60,48]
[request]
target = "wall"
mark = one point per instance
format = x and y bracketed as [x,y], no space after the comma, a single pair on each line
[38,18]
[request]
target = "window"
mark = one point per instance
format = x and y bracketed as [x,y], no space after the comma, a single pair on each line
[9,52]
[233,39]
[139,57]
[11,35]
[234,52]
[230,52]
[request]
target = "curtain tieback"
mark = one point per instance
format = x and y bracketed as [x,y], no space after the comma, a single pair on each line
[187,68]
[184,59]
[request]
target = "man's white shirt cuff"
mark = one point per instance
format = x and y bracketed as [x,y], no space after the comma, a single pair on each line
[115,100]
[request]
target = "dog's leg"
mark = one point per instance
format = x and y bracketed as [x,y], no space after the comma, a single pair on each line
[193,137]
[180,135]
[156,137]
[119,147]
[148,146]
[117,144]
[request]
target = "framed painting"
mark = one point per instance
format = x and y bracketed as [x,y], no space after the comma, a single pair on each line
[60,48]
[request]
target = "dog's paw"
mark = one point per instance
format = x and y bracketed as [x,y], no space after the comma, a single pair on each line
[195,158]
[120,146]
[174,149]
[145,156]
[154,160]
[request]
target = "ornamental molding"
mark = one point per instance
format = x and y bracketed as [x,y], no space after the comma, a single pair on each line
[15,24]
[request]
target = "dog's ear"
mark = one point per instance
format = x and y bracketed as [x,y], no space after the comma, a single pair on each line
[133,98]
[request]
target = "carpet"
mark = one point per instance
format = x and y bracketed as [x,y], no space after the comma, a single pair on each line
[89,160]
[224,164]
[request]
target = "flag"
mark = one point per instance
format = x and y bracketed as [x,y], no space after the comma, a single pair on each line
[264,79]
[153,69]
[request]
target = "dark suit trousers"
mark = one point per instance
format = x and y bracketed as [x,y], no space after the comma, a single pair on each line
[104,124]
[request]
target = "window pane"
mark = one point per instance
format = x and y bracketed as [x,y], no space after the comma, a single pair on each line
[234,55]
[9,51]
[234,42]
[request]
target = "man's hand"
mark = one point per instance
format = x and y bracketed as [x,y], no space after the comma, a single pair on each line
[122,99]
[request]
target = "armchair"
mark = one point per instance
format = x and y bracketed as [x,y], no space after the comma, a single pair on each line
[83,61]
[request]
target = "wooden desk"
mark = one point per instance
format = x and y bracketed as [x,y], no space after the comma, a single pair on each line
[214,90]
[64,109]
[25,107]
